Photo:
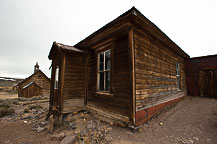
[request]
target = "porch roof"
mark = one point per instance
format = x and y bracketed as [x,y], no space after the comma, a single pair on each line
[69,48]
[65,48]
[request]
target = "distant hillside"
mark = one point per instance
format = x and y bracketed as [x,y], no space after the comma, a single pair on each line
[9,82]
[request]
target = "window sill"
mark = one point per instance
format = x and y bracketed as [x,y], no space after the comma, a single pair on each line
[104,93]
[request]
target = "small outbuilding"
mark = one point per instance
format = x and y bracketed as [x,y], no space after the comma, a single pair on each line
[126,71]
[38,84]
[201,75]
[31,89]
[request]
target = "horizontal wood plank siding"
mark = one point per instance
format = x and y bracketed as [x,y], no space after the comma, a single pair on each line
[74,82]
[40,80]
[32,90]
[155,72]
[117,100]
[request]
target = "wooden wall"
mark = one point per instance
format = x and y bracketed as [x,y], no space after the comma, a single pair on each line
[74,82]
[55,99]
[118,99]
[155,73]
[32,90]
[193,67]
[40,80]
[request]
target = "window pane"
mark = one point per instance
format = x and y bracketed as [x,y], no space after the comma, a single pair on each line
[101,81]
[57,74]
[178,76]
[107,80]
[107,60]
[101,61]
[178,82]
[56,78]
[177,69]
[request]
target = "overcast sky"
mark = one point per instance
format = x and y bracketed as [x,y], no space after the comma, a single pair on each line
[29,27]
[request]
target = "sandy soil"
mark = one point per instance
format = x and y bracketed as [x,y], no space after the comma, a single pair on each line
[21,133]
[192,121]
[6,95]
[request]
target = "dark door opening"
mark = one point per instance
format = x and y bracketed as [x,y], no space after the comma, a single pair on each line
[207,83]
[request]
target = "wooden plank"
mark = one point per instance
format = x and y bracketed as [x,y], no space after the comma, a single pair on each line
[86,80]
[107,113]
[155,71]
[51,87]
[63,62]
[75,81]
[118,98]
[132,75]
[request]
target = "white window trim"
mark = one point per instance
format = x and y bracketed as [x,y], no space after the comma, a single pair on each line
[56,78]
[104,71]
[178,82]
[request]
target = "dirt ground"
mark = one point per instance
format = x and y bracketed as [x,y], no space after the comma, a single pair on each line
[191,121]
[21,133]
[6,95]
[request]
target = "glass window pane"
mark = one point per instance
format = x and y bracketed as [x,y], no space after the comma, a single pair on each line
[101,81]
[101,61]
[57,74]
[101,65]
[107,60]
[56,78]
[107,81]
[177,69]
[178,82]
[178,76]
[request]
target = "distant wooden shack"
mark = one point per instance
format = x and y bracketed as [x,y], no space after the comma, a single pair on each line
[31,89]
[38,84]
[128,70]
[201,75]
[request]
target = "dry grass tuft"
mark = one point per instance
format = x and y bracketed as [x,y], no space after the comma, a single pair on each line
[35,107]
[5,109]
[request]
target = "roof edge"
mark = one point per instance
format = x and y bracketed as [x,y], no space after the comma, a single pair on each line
[128,12]
[31,76]
[207,56]
[138,14]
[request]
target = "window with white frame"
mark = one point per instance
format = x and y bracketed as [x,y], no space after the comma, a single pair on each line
[56,80]
[104,66]
[178,76]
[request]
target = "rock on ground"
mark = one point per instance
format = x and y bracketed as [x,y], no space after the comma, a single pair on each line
[69,139]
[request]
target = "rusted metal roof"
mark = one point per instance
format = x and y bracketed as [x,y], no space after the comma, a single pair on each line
[70,48]
[29,84]
[64,47]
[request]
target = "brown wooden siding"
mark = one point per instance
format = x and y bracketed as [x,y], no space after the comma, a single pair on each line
[40,80]
[74,82]
[155,71]
[32,90]
[199,81]
[55,100]
[118,99]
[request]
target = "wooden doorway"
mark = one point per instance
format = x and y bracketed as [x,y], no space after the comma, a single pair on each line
[207,83]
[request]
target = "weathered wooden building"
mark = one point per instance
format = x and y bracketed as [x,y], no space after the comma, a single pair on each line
[31,89]
[201,74]
[128,70]
[38,84]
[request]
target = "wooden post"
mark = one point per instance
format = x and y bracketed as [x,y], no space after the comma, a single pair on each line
[62,74]
[51,88]
[132,75]
[86,79]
